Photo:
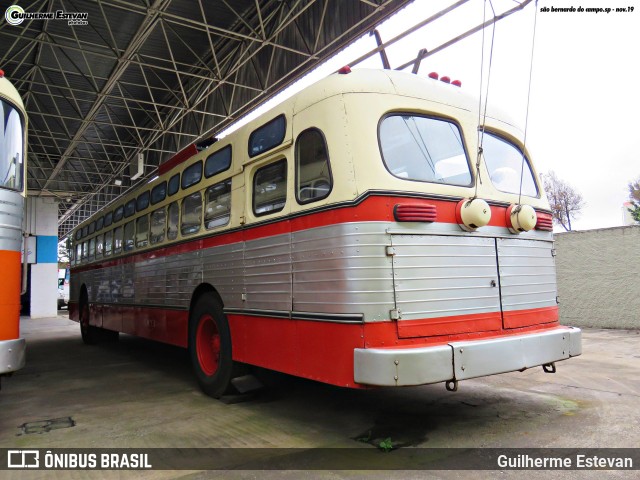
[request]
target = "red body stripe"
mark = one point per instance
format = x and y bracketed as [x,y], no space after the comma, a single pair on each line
[372,209]
[183,155]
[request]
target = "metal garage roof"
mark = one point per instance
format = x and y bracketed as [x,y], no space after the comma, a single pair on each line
[153,76]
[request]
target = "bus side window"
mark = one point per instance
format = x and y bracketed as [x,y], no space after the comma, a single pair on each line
[117,240]
[99,245]
[218,205]
[158,224]
[270,188]
[85,250]
[129,231]
[313,172]
[78,252]
[172,221]
[92,248]
[142,231]
[191,214]
[108,242]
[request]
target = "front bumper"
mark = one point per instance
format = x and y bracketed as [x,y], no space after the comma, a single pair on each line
[395,367]
[12,355]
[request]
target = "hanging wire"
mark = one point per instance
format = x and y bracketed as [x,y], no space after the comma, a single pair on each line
[526,120]
[486,97]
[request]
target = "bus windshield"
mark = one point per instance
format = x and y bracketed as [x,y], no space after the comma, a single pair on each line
[425,149]
[11,147]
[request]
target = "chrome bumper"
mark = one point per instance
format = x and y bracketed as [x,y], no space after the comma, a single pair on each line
[12,355]
[395,367]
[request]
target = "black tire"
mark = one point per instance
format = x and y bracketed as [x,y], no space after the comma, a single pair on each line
[210,347]
[108,336]
[90,334]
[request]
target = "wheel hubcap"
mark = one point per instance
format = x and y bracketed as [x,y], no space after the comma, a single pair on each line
[208,345]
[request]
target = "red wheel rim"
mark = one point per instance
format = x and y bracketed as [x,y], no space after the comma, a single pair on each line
[208,345]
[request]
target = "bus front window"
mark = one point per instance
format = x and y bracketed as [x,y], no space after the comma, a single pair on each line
[509,170]
[11,147]
[424,149]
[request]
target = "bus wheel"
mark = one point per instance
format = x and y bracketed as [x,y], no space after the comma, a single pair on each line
[89,332]
[210,347]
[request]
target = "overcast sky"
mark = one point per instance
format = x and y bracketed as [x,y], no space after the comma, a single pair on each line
[585,102]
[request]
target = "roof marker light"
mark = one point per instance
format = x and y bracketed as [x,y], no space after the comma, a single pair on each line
[1,73]
[445,79]
[433,75]
[457,83]
[344,70]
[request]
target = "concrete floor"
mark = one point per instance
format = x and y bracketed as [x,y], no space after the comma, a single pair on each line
[139,394]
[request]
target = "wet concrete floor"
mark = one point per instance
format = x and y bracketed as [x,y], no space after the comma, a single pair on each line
[138,394]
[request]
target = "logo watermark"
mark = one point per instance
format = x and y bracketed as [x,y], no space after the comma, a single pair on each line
[15,15]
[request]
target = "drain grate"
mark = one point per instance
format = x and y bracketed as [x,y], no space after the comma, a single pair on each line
[44,426]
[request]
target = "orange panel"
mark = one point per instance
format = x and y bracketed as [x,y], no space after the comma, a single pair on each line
[535,316]
[10,297]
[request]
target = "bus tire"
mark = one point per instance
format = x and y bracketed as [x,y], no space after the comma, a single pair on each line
[210,347]
[89,333]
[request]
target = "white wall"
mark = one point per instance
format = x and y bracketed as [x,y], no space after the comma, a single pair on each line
[599,277]
[42,222]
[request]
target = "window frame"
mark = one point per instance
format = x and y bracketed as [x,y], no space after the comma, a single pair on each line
[130,208]
[177,224]
[253,187]
[443,118]
[297,168]
[164,222]
[218,153]
[514,145]
[261,128]
[183,215]
[173,178]
[190,168]
[118,213]
[206,202]
[136,236]
[146,194]
[162,184]
[125,246]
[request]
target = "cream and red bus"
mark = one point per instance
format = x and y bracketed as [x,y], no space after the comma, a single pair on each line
[13,147]
[352,235]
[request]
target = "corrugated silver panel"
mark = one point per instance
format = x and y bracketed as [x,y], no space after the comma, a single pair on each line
[527,274]
[267,273]
[439,276]
[183,274]
[343,269]
[222,268]
[11,212]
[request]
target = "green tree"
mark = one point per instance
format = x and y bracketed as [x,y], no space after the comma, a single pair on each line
[634,198]
[566,203]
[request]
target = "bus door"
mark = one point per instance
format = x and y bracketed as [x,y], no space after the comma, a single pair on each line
[527,282]
[447,285]
[444,285]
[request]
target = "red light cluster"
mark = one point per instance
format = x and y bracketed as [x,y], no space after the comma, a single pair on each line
[417,212]
[445,79]
[545,222]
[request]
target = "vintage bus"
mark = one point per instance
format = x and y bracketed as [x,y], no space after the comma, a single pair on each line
[13,148]
[351,235]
